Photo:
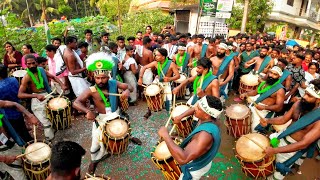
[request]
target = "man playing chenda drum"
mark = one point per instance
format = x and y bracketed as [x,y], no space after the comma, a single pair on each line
[105,104]
[268,97]
[167,72]
[36,80]
[210,84]
[300,137]
[197,151]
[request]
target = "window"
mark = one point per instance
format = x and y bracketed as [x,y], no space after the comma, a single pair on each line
[290,2]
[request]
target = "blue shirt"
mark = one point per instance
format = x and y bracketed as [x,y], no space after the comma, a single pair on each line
[9,88]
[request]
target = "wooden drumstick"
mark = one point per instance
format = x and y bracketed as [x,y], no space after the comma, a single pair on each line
[46,96]
[60,94]
[35,133]
[143,85]
[168,120]
[255,108]
[171,131]
[22,155]
[114,94]
[174,101]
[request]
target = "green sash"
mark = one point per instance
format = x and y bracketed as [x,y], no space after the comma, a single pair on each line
[226,61]
[284,76]
[204,50]
[274,89]
[164,70]
[264,64]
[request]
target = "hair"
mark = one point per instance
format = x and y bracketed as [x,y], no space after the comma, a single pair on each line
[212,40]
[129,48]
[112,45]
[163,52]
[71,39]
[194,36]
[83,44]
[308,53]
[300,56]
[131,38]
[29,47]
[215,103]
[146,40]
[183,36]
[316,83]
[56,39]
[200,36]
[3,71]
[51,47]
[162,36]
[284,61]
[182,44]
[149,27]
[315,64]
[265,47]
[156,34]
[30,56]
[276,49]
[105,34]
[139,32]
[120,38]
[66,156]
[41,59]
[250,44]
[13,48]
[88,31]
[204,62]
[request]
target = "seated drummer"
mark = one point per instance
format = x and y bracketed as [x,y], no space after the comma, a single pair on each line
[197,151]
[210,85]
[36,80]
[10,152]
[165,68]
[268,97]
[65,161]
[106,105]
[304,129]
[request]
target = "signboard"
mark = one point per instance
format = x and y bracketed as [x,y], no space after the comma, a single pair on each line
[224,5]
[208,7]
[225,15]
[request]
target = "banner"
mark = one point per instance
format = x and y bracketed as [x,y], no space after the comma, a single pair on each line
[208,7]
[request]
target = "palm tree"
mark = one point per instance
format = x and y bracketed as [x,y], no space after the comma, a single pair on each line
[245,16]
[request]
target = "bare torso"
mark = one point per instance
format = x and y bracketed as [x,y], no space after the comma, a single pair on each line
[216,63]
[147,57]
[197,51]
[30,84]
[71,60]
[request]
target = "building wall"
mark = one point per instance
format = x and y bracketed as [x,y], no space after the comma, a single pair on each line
[282,6]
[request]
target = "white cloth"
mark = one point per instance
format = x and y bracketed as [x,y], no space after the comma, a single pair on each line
[190,44]
[308,78]
[139,50]
[39,110]
[58,58]
[128,63]
[121,54]
[171,50]
[131,79]
[282,157]
[255,117]
[199,173]
[166,89]
[98,149]
[16,173]
[147,77]
[78,84]
[59,90]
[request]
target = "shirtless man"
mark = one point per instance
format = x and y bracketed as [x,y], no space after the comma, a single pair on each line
[223,67]
[212,49]
[210,85]
[199,49]
[196,152]
[36,80]
[101,64]
[300,139]
[144,57]
[167,72]
[265,104]
[75,67]
[258,61]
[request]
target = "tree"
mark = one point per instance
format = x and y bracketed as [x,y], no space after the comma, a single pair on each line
[109,8]
[257,8]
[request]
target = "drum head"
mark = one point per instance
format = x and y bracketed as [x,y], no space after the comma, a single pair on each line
[250,147]
[152,90]
[19,73]
[181,79]
[117,128]
[250,79]
[179,110]
[162,152]
[40,155]
[57,103]
[237,111]
[194,72]
[95,178]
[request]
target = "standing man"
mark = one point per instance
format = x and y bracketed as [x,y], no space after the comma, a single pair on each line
[88,39]
[36,80]
[56,42]
[262,63]
[170,46]
[145,57]
[167,72]
[199,49]
[121,53]
[75,66]
[196,152]
[148,31]
[104,39]
[101,65]
[138,40]
[212,49]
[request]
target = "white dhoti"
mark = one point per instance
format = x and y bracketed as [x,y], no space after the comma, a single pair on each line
[59,90]
[98,149]
[147,76]
[255,117]
[131,79]
[39,110]
[199,173]
[167,98]
[282,157]
[16,173]
[78,84]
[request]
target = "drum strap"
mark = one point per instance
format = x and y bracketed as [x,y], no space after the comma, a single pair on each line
[204,50]
[205,159]
[225,64]
[113,99]
[185,63]
[164,70]
[45,80]
[264,64]
[284,76]
[265,95]
[15,136]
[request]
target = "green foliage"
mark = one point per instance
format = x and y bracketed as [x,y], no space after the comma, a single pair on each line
[256,8]
[109,8]
[138,21]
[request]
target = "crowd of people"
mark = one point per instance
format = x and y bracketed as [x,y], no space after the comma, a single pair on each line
[204,71]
